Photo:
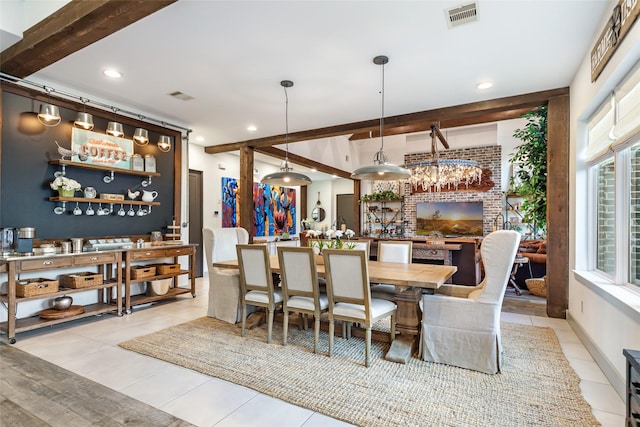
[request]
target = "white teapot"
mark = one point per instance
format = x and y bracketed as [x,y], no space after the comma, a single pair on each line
[149,196]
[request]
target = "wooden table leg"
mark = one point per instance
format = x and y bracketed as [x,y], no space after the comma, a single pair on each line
[408,319]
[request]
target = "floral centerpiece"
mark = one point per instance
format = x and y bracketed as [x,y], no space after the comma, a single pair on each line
[333,239]
[66,187]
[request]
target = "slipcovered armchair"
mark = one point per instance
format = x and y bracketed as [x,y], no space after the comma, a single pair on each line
[462,327]
[224,284]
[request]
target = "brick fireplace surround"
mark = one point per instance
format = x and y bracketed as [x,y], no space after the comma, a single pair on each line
[488,157]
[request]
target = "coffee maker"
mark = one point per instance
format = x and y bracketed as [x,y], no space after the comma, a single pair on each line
[7,236]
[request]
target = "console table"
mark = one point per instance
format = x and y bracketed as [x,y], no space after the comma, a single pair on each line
[15,265]
[115,267]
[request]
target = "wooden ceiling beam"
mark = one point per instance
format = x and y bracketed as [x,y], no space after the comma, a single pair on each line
[445,123]
[74,26]
[473,113]
[294,158]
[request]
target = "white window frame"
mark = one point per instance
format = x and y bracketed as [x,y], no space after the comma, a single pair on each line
[618,148]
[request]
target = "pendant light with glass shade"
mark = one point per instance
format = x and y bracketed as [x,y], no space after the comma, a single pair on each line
[286,176]
[381,170]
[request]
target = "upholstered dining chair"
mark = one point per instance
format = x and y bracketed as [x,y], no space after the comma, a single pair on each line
[224,283]
[363,245]
[347,275]
[256,283]
[300,291]
[391,251]
[464,330]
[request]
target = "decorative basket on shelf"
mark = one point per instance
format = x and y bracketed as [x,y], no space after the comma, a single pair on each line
[537,287]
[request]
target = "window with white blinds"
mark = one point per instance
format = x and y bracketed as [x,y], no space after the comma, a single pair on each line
[613,157]
[617,120]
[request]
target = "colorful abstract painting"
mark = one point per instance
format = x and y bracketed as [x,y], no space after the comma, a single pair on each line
[274,208]
[229,202]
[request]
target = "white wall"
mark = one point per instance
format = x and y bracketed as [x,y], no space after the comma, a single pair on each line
[605,316]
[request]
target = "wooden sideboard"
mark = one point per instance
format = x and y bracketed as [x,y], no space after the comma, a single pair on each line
[151,253]
[464,253]
[115,268]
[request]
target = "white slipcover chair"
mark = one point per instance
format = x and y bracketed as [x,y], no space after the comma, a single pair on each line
[391,251]
[224,283]
[347,275]
[464,330]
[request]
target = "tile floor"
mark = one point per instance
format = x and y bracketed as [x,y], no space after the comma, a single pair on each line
[89,347]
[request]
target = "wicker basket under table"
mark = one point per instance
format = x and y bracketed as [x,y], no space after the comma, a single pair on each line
[537,287]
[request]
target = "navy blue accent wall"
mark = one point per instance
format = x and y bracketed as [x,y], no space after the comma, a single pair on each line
[27,147]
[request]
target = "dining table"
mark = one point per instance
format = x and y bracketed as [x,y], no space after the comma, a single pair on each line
[409,279]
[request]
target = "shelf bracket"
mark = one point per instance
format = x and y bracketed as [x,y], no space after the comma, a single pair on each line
[109,178]
[59,210]
[60,173]
[146,182]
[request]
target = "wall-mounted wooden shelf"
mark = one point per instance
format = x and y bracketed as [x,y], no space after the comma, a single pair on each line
[102,168]
[106,201]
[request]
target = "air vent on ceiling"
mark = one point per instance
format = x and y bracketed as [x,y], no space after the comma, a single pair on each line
[461,14]
[181,96]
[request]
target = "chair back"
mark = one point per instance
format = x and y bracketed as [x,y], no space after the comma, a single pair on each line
[362,245]
[498,251]
[298,272]
[220,244]
[347,275]
[255,270]
[395,251]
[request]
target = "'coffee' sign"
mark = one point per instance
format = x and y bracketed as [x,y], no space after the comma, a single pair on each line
[621,21]
[99,149]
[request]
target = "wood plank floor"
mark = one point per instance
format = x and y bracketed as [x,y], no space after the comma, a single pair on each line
[34,392]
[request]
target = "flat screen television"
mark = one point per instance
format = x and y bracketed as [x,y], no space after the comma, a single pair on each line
[450,219]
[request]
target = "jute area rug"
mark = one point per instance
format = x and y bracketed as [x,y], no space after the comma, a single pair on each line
[537,386]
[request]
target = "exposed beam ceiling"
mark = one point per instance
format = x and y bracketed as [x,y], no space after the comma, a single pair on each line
[445,123]
[294,158]
[73,27]
[467,114]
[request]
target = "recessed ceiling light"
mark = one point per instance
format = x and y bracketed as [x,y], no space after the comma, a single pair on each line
[112,73]
[334,176]
[484,85]
[252,128]
[313,170]
[199,138]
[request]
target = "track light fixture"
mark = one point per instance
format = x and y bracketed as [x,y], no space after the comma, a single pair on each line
[49,114]
[84,120]
[164,143]
[141,136]
[114,128]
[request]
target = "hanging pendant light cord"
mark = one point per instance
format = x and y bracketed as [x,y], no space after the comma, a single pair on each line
[382,113]
[286,126]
